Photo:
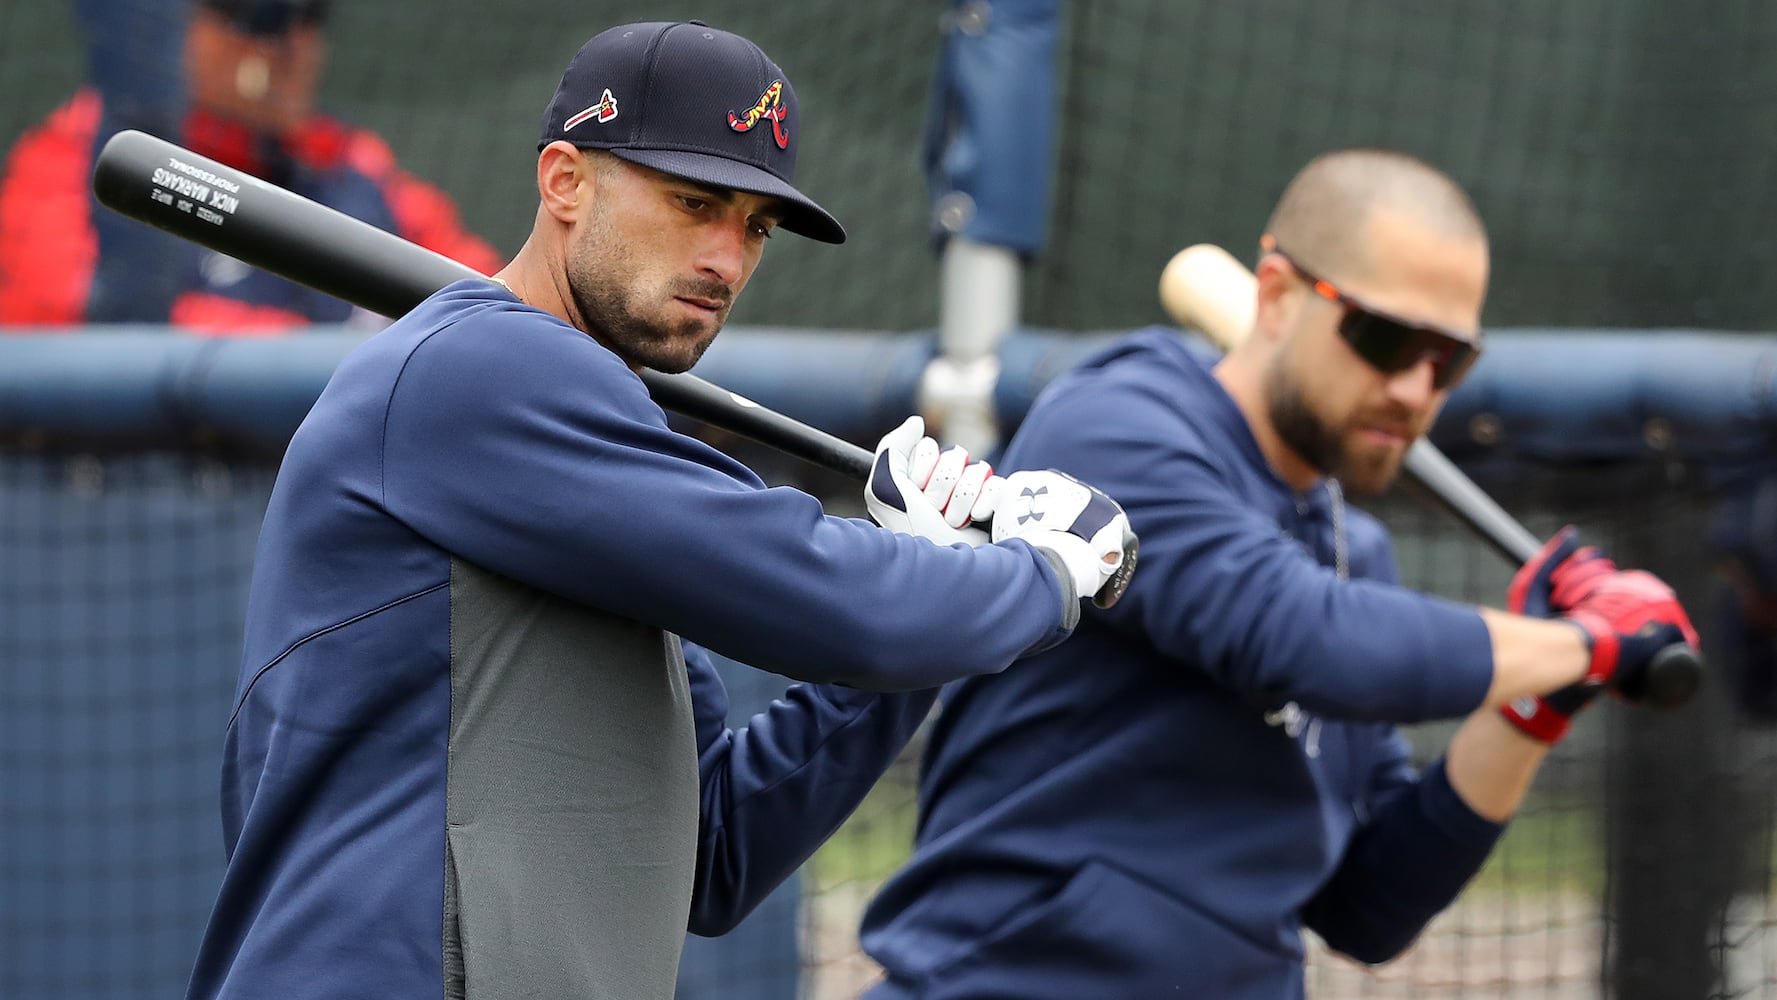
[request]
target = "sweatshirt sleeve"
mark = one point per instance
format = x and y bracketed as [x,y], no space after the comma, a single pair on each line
[774,790]
[520,444]
[1418,850]
[1222,587]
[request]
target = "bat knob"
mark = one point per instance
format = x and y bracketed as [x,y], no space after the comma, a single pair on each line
[1673,677]
[1113,589]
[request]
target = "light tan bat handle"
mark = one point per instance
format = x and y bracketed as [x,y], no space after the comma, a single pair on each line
[1203,287]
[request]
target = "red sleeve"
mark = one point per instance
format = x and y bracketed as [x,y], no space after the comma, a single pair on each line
[423,213]
[48,248]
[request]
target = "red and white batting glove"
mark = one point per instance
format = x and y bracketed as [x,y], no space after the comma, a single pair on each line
[916,489]
[1559,569]
[1628,616]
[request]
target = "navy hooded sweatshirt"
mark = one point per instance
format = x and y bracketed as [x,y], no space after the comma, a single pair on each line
[1158,807]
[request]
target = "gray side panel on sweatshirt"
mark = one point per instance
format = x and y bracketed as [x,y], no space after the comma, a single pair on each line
[572,798]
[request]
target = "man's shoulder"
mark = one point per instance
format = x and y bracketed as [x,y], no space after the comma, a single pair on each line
[1153,352]
[476,334]
[1145,410]
[1151,368]
[474,297]
[389,349]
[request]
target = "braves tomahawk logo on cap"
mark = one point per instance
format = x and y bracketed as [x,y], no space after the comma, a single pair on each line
[604,111]
[767,107]
[694,101]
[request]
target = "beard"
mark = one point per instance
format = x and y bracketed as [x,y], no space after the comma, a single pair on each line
[615,304]
[1334,450]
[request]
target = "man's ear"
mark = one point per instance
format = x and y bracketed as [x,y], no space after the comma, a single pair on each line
[1274,310]
[565,180]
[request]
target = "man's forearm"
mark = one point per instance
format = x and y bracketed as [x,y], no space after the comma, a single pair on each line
[1490,765]
[1532,656]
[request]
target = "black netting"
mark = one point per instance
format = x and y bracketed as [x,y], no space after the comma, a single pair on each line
[458,90]
[1617,150]
[462,87]
[122,587]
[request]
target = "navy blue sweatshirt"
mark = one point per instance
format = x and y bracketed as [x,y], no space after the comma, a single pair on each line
[1158,807]
[470,756]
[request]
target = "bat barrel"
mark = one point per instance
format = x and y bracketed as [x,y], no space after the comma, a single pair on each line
[702,400]
[1673,676]
[232,212]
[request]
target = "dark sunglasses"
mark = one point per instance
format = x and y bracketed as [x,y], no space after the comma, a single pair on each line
[1389,344]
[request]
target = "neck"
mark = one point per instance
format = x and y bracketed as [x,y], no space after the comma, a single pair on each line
[541,282]
[1243,378]
[528,276]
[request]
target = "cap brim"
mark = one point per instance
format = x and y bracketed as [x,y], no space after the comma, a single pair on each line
[802,217]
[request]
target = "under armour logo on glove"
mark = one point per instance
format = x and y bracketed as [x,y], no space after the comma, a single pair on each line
[916,489]
[1089,532]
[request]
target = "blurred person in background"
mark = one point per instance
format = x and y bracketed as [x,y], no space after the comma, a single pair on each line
[241,90]
[1165,804]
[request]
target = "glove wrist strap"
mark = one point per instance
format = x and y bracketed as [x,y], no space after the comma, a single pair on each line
[1536,719]
[1601,641]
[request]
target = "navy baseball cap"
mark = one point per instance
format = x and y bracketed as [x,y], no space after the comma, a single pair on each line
[692,101]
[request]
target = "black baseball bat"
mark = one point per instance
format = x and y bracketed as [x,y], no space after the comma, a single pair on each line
[1674,674]
[232,212]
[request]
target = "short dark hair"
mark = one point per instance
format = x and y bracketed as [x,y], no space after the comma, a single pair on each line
[1322,212]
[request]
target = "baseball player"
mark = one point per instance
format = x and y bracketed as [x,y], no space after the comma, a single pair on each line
[470,755]
[1160,807]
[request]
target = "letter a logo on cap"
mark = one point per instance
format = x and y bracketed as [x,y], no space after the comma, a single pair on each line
[604,111]
[766,107]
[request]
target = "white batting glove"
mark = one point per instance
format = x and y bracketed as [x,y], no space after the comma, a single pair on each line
[1086,529]
[917,490]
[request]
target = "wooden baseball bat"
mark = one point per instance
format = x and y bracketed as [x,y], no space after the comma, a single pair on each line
[1203,287]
